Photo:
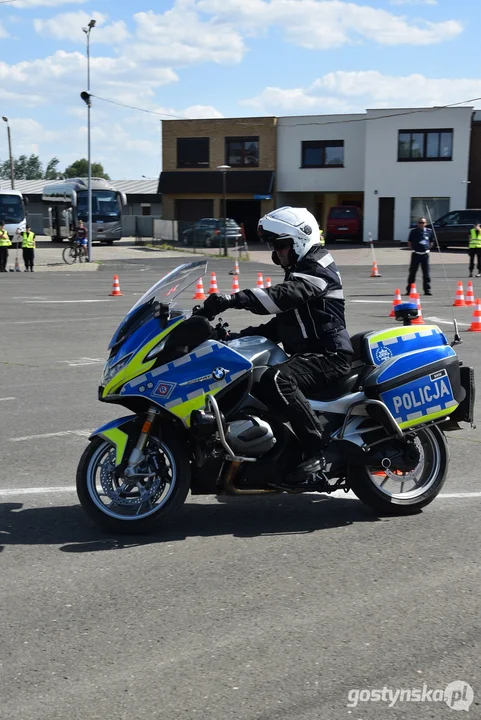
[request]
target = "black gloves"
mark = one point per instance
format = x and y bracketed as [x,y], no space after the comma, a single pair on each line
[217,303]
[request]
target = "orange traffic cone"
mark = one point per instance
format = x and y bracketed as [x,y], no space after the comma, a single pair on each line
[260,281]
[397,301]
[236,270]
[235,285]
[374,270]
[268,282]
[413,294]
[199,290]
[470,293]
[476,320]
[459,299]
[116,287]
[213,284]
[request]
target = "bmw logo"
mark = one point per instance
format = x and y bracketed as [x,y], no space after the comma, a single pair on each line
[219,373]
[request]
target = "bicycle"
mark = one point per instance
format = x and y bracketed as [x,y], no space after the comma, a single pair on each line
[75,251]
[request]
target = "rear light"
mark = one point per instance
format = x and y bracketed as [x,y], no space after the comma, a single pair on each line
[216,232]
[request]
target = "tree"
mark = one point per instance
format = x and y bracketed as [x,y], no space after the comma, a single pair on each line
[25,168]
[51,171]
[80,168]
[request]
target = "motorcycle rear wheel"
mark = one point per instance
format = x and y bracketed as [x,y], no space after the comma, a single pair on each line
[139,508]
[392,492]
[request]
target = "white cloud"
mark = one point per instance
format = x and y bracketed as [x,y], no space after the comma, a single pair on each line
[340,92]
[180,36]
[68,26]
[323,24]
[413,2]
[3,32]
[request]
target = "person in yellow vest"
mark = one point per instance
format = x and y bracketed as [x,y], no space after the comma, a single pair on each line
[5,243]
[28,248]
[323,239]
[475,249]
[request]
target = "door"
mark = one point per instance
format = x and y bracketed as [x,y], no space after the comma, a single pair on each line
[385,228]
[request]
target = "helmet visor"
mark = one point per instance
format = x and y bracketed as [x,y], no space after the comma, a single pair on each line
[273,240]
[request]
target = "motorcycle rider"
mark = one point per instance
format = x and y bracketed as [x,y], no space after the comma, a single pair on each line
[309,321]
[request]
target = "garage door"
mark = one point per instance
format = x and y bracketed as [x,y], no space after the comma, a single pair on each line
[193,209]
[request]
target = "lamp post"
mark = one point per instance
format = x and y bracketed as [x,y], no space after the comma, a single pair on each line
[87,31]
[223,169]
[12,174]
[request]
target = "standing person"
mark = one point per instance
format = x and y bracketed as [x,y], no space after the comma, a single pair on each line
[308,309]
[81,235]
[420,242]
[28,248]
[5,243]
[475,249]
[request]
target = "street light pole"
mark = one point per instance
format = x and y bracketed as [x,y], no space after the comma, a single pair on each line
[87,31]
[223,169]
[12,173]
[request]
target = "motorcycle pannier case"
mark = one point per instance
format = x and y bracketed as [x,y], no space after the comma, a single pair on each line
[417,375]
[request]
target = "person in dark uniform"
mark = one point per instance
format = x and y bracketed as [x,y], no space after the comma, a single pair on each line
[5,243]
[309,321]
[420,241]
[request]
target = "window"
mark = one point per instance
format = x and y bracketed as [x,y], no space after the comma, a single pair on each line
[425,145]
[193,152]
[322,153]
[242,151]
[438,206]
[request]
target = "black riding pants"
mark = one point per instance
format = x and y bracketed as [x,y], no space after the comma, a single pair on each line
[474,253]
[416,261]
[28,257]
[283,388]
[3,257]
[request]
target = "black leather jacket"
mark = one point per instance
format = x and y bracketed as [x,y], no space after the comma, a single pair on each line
[308,307]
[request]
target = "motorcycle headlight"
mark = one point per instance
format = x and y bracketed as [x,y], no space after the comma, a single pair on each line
[112,369]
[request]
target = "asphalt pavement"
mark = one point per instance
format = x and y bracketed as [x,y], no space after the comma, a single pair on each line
[288,608]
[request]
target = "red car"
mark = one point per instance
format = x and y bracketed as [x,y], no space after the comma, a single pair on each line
[344,222]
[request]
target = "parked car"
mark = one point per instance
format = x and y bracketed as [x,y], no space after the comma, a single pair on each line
[209,232]
[344,221]
[453,228]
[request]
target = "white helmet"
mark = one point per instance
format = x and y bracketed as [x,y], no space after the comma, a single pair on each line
[290,223]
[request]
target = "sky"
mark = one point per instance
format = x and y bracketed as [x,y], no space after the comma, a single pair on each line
[219,58]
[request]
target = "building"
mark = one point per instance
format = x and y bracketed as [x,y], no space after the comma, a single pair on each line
[390,163]
[192,186]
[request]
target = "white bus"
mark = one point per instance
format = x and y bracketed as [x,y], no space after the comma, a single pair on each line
[68,203]
[12,211]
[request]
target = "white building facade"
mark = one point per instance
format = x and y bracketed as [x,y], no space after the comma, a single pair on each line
[390,163]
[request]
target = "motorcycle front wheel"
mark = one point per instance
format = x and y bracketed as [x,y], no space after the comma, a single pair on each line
[131,506]
[397,492]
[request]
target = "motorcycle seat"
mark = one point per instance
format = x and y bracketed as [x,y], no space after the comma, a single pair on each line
[338,388]
[360,345]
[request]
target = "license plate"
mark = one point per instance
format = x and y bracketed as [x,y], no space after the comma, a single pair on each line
[342,228]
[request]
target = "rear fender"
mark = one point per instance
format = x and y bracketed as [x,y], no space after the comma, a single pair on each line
[116,432]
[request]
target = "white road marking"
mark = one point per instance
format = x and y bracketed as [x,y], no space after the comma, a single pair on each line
[61,433]
[5,492]
[446,322]
[43,302]
[7,398]
[79,362]
[58,320]
[387,302]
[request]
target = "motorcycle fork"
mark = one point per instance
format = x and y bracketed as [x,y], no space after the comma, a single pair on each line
[137,454]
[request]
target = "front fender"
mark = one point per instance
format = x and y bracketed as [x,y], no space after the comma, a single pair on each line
[114,432]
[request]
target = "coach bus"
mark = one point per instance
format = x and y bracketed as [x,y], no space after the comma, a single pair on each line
[68,204]
[12,211]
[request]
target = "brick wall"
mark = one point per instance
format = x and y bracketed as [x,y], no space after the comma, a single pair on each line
[217,130]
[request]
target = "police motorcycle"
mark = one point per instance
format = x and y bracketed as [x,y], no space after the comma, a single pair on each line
[196,424]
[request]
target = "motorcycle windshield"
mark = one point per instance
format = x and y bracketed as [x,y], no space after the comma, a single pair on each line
[164,291]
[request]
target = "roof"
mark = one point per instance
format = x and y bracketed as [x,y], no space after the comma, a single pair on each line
[129,187]
[252,182]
